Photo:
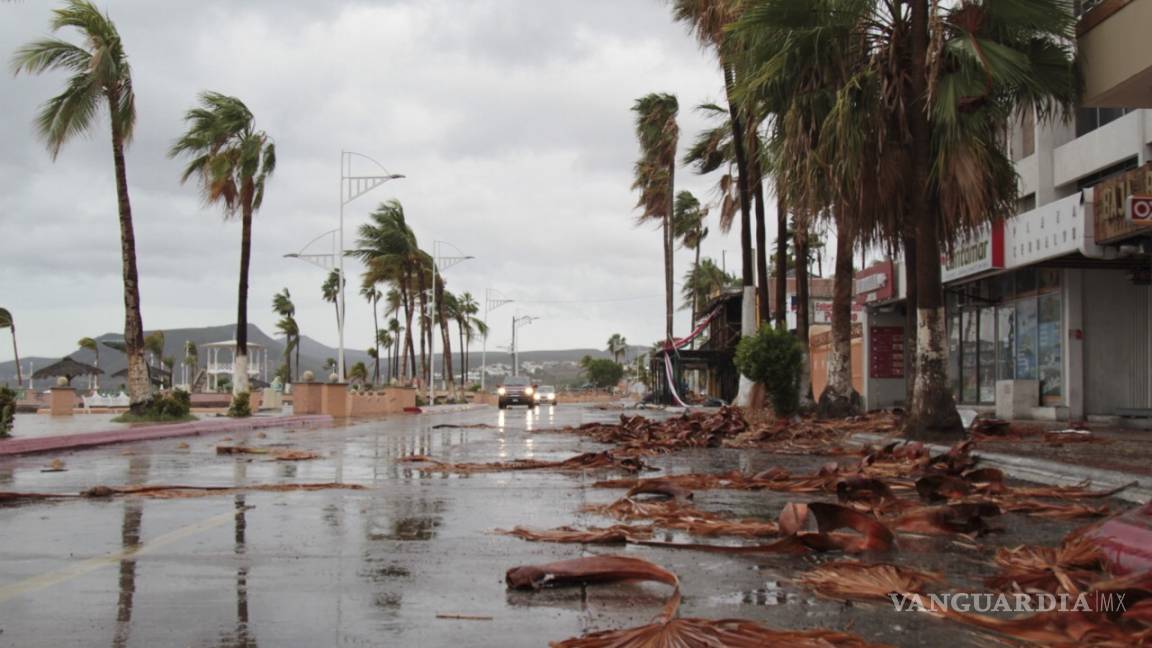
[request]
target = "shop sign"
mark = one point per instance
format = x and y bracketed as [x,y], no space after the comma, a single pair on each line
[822,311]
[982,251]
[886,351]
[1111,199]
[1139,210]
[874,283]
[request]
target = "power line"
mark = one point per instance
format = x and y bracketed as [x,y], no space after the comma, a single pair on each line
[587,301]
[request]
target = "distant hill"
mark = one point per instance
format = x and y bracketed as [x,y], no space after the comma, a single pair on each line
[313,354]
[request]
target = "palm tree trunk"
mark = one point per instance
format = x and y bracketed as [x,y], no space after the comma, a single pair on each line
[748,310]
[802,304]
[297,356]
[780,315]
[840,398]
[16,355]
[376,340]
[933,414]
[240,366]
[910,305]
[761,246]
[139,387]
[424,368]
[695,294]
[463,356]
[409,352]
[668,260]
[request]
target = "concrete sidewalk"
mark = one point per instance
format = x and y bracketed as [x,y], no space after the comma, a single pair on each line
[1042,471]
[12,447]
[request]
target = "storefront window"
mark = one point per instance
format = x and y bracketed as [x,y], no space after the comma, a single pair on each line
[1049,347]
[970,392]
[1005,335]
[1026,339]
[954,355]
[987,351]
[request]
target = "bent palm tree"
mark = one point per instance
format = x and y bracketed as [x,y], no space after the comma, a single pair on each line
[282,305]
[100,75]
[705,281]
[655,172]
[233,161]
[6,322]
[688,226]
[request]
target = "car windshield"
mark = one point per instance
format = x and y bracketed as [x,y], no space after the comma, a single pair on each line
[516,380]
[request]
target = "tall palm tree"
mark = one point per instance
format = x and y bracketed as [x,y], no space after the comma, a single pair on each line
[6,322]
[91,345]
[369,292]
[330,291]
[233,161]
[395,330]
[705,281]
[655,172]
[383,340]
[288,326]
[688,227]
[468,325]
[100,76]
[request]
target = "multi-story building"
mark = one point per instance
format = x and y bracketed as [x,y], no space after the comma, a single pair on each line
[1050,312]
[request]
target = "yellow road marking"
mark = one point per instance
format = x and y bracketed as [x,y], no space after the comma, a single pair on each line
[83,567]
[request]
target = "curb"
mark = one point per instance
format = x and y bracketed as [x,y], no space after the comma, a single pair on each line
[1051,473]
[15,447]
[449,409]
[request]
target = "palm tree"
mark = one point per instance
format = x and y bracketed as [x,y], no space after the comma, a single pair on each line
[617,346]
[91,345]
[469,325]
[6,322]
[100,75]
[330,290]
[192,359]
[233,161]
[395,330]
[288,326]
[655,172]
[369,292]
[705,281]
[389,250]
[358,372]
[688,226]
[383,339]
[154,344]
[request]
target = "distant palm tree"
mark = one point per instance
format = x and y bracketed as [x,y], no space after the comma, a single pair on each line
[192,359]
[233,161]
[154,343]
[6,322]
[655,172]
[100,75]
[330,290]
[395,330]
[288,326]
[469,325]
[688,227]
[617,346]
[383,340]
[704,282]
[369,292]
[91,345]
[358,372]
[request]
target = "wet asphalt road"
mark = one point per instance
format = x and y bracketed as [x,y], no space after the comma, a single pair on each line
[374,567]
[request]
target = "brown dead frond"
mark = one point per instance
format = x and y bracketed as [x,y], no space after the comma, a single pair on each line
[859,581]
[615,534]
[585,461]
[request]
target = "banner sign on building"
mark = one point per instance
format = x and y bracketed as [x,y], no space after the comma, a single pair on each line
[1111,198]
[982,251]
[875,283]
[821,312]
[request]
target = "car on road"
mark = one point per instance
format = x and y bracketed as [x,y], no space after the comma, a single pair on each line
[545,395]
[516,390]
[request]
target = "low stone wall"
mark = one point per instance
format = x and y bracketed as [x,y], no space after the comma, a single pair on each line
[335,400]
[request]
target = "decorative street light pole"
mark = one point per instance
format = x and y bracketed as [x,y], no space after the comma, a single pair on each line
[492,301]
[517,322]
[439,264]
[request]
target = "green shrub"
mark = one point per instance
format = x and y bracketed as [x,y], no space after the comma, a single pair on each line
[7,410]
[602,372]
[241,406]
[773,358]
[165,406]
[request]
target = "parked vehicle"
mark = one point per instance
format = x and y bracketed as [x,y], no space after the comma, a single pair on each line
[545,395]
[516,390]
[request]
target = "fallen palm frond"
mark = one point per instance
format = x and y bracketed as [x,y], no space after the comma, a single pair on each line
[660,486]
[858,581]
[171,491]
[642,435]
[872,534]
[673,514]
[1070,568]
[615,534]
[776,479]
[1036,508]
[278,455]
[961,518]
[1079,491]
[585,461]
[665,630]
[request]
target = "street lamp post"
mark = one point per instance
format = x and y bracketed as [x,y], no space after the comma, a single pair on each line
[517,322]
[448,262]
[492,301]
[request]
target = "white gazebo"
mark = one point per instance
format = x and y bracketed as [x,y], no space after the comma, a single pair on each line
[214,368]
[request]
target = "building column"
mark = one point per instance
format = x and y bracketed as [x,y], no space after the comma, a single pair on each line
[1073,335]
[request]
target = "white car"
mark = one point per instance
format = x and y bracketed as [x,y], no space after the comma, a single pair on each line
[545,395]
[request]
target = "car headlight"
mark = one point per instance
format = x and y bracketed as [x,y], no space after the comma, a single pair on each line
[501,391]
[528,391]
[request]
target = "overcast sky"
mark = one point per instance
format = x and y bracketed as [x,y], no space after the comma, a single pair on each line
[510,118]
